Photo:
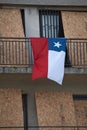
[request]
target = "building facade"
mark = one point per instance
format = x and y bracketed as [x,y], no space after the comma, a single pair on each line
[42,104]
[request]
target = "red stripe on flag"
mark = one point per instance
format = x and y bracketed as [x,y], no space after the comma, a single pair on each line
[40,52]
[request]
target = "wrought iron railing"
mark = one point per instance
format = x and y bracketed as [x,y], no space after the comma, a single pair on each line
[18,52]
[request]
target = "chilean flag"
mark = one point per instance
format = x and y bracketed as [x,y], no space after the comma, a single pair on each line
[49,58]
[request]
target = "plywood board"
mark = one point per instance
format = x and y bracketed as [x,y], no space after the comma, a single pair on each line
[81,112]
[75,26]
[11,113]
[11,25]
[55,109]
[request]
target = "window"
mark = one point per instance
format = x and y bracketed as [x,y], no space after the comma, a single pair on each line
[23,21]
[80,97]
[50,23]
[24,101]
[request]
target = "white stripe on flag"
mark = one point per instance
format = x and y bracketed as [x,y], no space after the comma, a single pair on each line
[56,65]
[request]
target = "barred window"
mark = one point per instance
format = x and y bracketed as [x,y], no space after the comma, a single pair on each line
[50,23]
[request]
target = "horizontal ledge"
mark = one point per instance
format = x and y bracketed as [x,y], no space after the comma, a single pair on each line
[29,70]
[75,70]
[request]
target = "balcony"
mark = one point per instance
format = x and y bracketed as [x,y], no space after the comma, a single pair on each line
[16,55]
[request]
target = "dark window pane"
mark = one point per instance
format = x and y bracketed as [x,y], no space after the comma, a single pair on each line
[24,101]
[80,97]
[23,21]
[50,23]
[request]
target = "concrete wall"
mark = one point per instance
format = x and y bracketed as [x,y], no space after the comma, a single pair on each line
[11,113]
[32,22]
[75,83]
[45,2]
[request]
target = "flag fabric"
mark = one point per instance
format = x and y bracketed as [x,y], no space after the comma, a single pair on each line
[49,58]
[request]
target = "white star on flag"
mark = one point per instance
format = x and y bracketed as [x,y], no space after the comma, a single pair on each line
[57,44]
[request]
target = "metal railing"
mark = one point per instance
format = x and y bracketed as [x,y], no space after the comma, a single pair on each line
[18,52]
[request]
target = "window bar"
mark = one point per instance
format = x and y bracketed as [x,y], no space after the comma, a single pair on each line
[48,23]
[57,25]
[57,29]
[54,22]
[40,21]
[45,25]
